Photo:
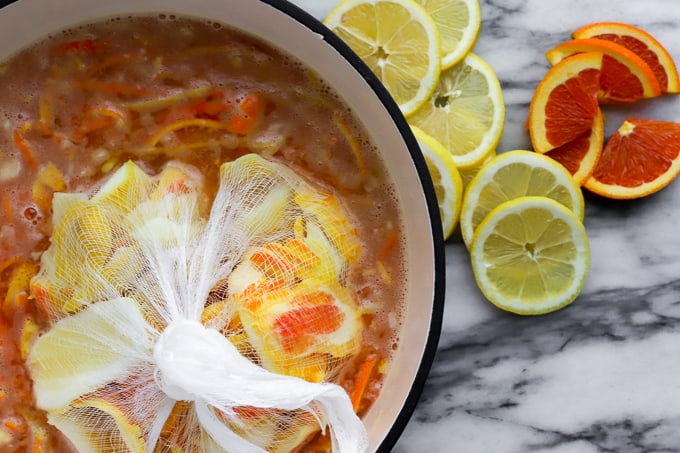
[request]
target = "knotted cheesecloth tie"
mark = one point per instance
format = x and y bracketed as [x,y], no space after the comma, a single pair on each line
[184,324]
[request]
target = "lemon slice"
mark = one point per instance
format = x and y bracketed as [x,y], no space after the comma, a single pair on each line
[448,184]
[95,337]
[120,432]
[466,111]
[514,174]
[530,256]
[398,40]
[126,188]
[458,22]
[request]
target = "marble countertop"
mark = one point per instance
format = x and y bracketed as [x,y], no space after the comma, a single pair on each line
[602,375]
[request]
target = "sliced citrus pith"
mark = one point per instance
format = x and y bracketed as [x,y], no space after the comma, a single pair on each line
[580,156]
[530,256]
[458,22]
[448,184]
[516,174]
[641,158]
[642,44]
[466,112]
[564,106]
[398,40]
[624,76]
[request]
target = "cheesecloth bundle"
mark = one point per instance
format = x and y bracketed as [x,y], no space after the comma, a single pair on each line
[185,324]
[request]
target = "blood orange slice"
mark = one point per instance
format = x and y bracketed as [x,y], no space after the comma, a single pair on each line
[580,156]
[564,105]
[641,158]
[642,44]
[624,77]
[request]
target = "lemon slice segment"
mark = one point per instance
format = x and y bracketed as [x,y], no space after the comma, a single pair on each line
[511,175]
[466,112]
[398,40]
[87,350]
[448,184]
[120,432]
[530,256]
[458,22]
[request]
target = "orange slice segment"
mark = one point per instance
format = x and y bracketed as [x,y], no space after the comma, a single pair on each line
[580,156]
[624,77]
[642,44]
[641,158]
[564,105]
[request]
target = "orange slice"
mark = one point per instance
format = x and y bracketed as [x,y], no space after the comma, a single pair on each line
[642,44]
[624,77]
[641,158]
[580,156]
[564,106]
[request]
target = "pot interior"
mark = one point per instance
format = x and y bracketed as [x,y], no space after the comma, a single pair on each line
[298,34]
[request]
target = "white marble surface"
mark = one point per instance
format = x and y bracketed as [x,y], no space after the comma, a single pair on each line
[602,375]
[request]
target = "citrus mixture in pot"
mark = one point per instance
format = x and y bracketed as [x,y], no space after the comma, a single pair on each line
[162,179]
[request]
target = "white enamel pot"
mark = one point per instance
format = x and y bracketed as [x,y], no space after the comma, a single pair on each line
[296,32]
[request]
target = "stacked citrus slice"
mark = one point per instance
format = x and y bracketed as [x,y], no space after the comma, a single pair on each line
[642,44]
[607,63]
[465,112]
[458,22]
[447,182]
[398,40]
[522,222]
[515,174]
[565,120]
[421,51]
[624,76]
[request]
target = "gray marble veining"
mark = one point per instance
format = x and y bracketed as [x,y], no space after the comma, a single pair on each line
[602,375]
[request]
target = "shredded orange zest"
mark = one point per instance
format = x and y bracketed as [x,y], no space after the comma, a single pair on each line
[7,208]
[93,125]
[25,149]
[354,145]
[157,104]
[81,45]
[45,115]
[391,242]
[110,61]
[182,124]
[384,275]
[362,381]
[251,107]
[13,425]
